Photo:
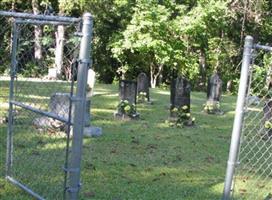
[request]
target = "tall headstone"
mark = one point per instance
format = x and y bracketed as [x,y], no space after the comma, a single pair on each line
[180,95]
[214,92]
[90,130]
[126,108]
[90,82]
[143,88]
[128,91]
[90,91]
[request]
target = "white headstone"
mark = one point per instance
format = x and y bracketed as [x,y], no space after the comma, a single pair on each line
[90,82]
[52,73]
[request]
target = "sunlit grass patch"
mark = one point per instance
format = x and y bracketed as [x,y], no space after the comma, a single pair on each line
[142,159]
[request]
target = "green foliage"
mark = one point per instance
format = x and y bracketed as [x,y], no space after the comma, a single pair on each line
[183,117]
[258,75]
[163,37]
[145,36]
[268,129]
[141,97]
[172,35]
[111,17]
[127,108]
[268,125]
[212,107]
[261,73]
[33,69]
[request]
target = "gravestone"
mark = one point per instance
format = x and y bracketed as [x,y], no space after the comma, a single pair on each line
[143,88]
[90,83]
[179,95]
[127,96]
[214,88]
[59,104]
[52,73]
[128,91]
[214,92]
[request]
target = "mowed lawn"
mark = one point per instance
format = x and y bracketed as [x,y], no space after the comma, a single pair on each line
[144,159]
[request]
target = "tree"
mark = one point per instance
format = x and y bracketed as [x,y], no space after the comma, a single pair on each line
[37,32]
[145,36]
[192,38]
[110,19]
[172,35]
[65,7]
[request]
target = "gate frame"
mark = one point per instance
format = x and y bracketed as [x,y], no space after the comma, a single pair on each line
[238,120]
[84,63]
[249,46]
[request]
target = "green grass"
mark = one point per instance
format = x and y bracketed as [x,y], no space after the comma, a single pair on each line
[144,159]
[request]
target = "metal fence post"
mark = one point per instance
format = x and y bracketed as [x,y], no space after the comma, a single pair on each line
[11,96]
[239,112]
[80,103]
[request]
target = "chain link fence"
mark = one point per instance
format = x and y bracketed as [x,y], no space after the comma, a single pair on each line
[43,54]
[253,170]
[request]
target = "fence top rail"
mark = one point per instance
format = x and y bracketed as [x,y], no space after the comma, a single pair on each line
[40,17]
[39,22]
[263,47]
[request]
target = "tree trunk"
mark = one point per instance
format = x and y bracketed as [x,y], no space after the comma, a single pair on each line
[243,23]
[202,67]
[37,32]
[59,49]
[218,52]
[153,82]
[154,74]
[11,34]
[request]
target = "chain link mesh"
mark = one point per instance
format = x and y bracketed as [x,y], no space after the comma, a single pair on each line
[45,63]
[253,175]
[5,48]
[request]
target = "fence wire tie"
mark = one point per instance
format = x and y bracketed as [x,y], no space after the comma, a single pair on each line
[73,189]
[73,170]
[14,71]
[78,34]
[234,163]
[13,74]
[85,61]
[76,99]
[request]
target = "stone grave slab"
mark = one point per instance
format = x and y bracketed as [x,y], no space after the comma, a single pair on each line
[214,93]
[179,95]
[126,108]
[59,105]
[143,88]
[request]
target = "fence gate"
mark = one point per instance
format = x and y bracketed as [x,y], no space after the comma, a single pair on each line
[249,171]
[44,122]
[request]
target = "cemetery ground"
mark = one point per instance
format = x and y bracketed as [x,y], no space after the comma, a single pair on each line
[143,159]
